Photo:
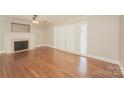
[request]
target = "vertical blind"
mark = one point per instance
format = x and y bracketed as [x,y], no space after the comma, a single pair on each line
[67,37]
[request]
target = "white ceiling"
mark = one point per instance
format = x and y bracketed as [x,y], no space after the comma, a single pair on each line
[49,18]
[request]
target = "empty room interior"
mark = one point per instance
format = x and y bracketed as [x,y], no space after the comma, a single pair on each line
[61,46]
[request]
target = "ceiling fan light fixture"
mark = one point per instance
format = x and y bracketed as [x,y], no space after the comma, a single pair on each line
[35,21]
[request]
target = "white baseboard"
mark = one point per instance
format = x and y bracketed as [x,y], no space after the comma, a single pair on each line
[89,55]
[122,69]
[35,46]
[69,51]
[65,50]
[49,46]
[103,59]
[2,52]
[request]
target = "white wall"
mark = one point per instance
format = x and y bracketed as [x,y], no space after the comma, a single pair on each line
[39,34]
[36,30]
[103,36]
[1,42]
[4,28]
[122,40]
[49,35]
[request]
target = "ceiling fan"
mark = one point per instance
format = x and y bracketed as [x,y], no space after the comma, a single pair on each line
[35,19]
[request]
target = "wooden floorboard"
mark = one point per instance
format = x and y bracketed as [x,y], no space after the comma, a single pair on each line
[44,62]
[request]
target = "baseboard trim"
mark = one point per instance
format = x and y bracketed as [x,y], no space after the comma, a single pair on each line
[2,52]
[89,55]
[65,50]
[122,70]
[35,46]
[103,59]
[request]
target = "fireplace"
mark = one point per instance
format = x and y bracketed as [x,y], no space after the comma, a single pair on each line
[12,42]
[20,45]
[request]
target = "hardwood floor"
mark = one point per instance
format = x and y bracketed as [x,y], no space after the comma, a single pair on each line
[51,63]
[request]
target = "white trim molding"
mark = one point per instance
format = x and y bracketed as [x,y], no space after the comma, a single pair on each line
[2,52]
[122,69]
[103,59]
[89,55]
[35,46]
[65,50]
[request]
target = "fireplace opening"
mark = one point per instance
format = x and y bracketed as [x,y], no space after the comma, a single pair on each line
[20,45]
